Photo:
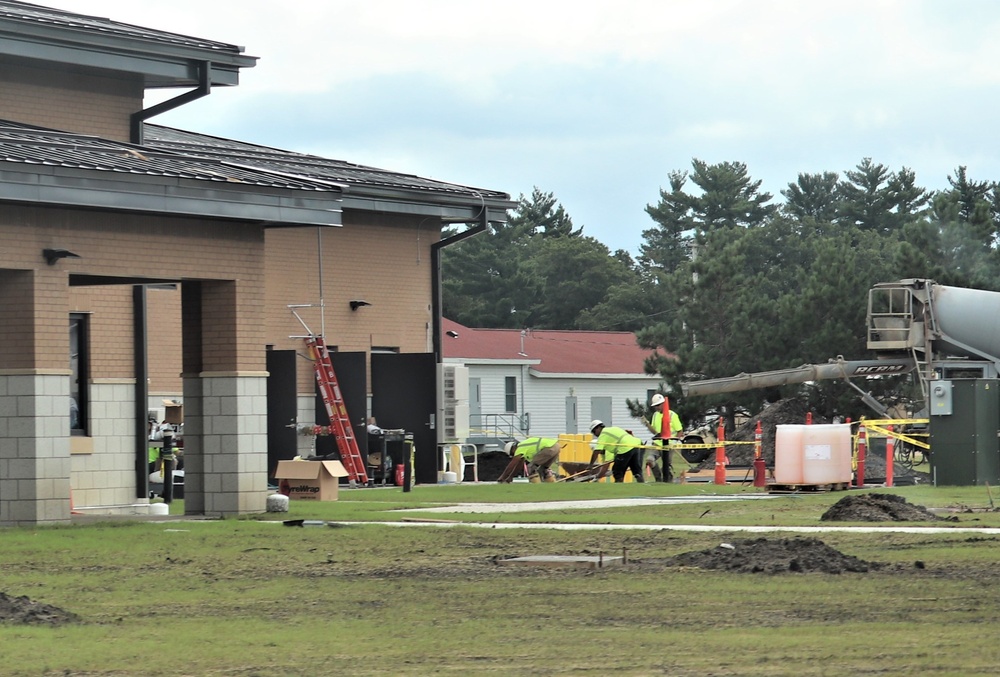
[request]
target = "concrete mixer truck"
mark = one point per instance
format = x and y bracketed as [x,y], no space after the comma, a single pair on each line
[951,337]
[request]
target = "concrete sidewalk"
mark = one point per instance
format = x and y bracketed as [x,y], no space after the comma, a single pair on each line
[586,504]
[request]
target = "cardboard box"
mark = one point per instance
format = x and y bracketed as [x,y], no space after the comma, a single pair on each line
[310,480]
[173,412]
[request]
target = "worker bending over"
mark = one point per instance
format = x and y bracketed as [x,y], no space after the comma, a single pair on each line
[620,446]
[538,452]
[655,425]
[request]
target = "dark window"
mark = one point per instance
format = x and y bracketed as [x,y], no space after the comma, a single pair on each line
[79,365]
[510,393]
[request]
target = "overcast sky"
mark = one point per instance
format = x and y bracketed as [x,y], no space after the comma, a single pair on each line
[596,102]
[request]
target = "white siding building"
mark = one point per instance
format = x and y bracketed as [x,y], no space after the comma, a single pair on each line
[545,382]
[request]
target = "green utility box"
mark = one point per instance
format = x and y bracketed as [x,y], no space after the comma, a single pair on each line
[965,448]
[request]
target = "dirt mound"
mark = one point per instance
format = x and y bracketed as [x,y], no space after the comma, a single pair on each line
[24,611]
[491,464]
[877,508]
[789,411]
[760,555]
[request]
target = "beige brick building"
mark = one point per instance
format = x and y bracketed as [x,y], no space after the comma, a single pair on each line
[141,263]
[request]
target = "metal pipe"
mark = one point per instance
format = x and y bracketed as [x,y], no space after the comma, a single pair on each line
[141,392]
[483,219]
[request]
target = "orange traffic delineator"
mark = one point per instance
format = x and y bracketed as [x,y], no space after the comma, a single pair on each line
[862,443]
[890,448]
[759,469]
[720,454]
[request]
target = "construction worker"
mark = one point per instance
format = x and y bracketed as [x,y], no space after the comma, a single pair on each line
[619,445]
[655,426]
[538,452]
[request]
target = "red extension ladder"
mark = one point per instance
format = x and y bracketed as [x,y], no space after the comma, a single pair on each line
[340,424]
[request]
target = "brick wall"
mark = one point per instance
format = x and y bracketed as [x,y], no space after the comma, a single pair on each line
[163,312]
[133,248]
[69,99]
[381,259]
[110,327]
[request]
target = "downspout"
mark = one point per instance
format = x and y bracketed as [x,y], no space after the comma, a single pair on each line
[204,89]
[141,396]
[436,274]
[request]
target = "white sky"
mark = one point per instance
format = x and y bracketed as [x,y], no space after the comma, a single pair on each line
[597,101]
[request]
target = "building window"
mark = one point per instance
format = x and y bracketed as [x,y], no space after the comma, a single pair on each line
[510,394]
[79,365]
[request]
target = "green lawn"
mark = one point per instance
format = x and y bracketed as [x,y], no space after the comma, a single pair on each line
[250,596]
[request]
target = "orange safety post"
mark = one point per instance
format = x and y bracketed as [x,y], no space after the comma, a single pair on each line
[862,443]
[720,454]
[665,435]
[809,418]
[759,470]
[890,447]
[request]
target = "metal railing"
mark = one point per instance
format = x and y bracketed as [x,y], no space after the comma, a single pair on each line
[499,426]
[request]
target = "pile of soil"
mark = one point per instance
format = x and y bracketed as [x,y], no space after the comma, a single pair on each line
[24,611]
[491,464]
[789,411]
[760,555]
[877,508]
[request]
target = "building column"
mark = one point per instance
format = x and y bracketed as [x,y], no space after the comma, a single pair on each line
[225,443]
[225,398]
[34,449]
[34,397]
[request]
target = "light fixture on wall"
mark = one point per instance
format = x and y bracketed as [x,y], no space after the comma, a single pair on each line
[358,303]
[452,333]
[53,255]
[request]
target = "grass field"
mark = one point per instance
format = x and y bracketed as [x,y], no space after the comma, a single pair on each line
[250,596]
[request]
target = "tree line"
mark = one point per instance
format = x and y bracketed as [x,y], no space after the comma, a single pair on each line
[730,280]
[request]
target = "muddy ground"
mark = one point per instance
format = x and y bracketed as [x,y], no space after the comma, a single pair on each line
[756,555]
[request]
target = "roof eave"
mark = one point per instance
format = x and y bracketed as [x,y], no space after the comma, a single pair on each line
[411,205]
[618,377]
[160,65]
[486,361]
[74,189]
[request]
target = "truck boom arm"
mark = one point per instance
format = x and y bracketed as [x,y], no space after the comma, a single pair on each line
[838,368]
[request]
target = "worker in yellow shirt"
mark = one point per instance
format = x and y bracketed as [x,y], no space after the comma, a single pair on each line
[621,447]
[655,426]
[538,452]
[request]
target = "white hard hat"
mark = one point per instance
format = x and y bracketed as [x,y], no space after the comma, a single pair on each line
[595,423]
[509,448]
[657,400]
